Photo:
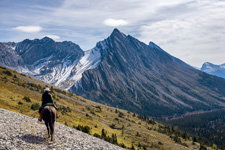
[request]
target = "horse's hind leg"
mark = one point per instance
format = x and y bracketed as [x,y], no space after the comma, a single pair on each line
[47,129]
[52,125]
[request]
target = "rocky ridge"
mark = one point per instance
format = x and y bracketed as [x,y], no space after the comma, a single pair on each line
[20,132]
[216,70]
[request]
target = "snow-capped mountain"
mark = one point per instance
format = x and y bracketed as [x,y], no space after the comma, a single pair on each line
[119,70]
[45,59]
[8,55]
[146,79]
[217,70]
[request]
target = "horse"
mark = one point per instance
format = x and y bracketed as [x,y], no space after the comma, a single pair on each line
[49,116]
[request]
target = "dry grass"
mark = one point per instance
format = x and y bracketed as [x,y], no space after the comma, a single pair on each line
[15,87]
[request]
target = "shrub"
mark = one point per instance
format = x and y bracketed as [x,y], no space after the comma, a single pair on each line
[137,134]
[132,147]
[112,126]
[99,109]
[88,116]
[120,115]
[202,147]
[85,129]
[122,145]
[27,99]
[64,109]
[35,106]
[114,139]
[139,144]
[97,135]
[7,73]
[2,67]
[93,112]
[214,146]
[20,103]
[104,133]
[23,74]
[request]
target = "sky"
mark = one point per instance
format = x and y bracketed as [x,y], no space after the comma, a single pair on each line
[191,30]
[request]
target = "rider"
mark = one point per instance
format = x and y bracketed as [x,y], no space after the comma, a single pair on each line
[46,101]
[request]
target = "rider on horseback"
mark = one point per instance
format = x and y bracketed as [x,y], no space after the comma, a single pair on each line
[47,100]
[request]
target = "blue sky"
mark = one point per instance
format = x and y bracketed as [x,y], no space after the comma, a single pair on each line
[192,30]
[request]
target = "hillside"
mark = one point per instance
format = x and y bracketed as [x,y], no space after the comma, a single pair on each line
[22,94]
[209,126]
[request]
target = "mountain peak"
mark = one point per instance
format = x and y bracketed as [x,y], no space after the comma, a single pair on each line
[116,32]
[45,39]
[153,45]
[208,63]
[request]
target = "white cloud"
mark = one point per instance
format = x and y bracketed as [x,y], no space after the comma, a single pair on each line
[54,37]
[114,22]
[192,30]
[195,35]
[28,29]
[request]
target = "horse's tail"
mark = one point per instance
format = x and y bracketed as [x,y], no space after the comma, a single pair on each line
[51,121]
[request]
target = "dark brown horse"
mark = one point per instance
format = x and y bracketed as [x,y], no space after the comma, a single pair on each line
[49,116]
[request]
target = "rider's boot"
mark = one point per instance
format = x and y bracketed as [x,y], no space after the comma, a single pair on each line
[40,117]
[57,115]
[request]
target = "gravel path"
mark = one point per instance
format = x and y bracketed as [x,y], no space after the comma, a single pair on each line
[20,132]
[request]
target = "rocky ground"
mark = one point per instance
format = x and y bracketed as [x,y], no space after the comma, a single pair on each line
[21,132]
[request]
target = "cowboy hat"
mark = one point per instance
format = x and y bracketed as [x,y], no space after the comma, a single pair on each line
[47,89]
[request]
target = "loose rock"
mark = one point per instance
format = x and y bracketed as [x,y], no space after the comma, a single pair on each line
[19,132]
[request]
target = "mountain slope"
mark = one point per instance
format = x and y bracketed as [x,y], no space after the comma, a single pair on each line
[8,55]
[217,70]
[146,79]
[22,94]
[209,125]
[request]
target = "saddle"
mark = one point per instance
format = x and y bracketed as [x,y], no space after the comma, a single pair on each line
[48,104]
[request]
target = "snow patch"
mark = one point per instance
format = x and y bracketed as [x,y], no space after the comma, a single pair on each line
[90,60]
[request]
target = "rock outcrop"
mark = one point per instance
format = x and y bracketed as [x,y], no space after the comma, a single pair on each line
[21,132]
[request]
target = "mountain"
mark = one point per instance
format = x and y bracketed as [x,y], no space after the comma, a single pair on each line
[217,70]
[8,55]
[45,59]
[22,94]
[121,71]
[146,79]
